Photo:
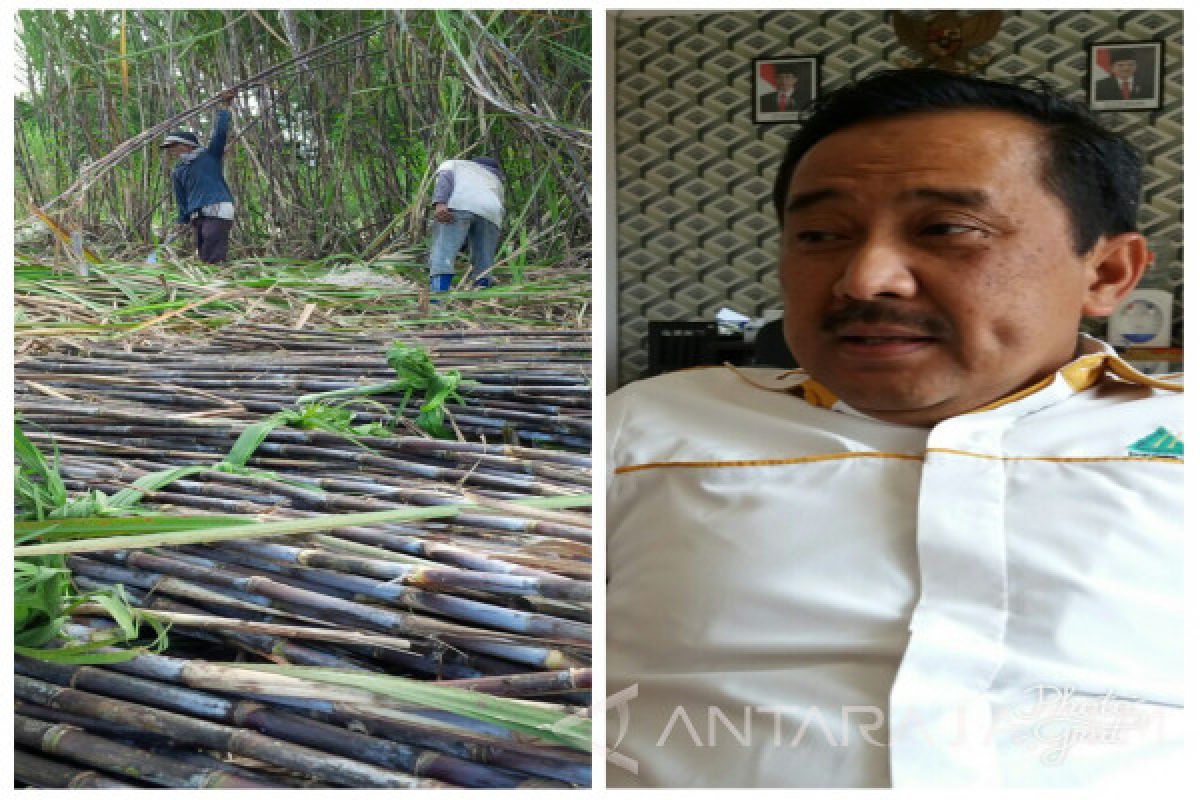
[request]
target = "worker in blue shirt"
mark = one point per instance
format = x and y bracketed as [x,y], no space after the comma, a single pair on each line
[204,200]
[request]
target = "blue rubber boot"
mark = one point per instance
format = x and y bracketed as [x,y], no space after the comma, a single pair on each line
[437,284]
[483,283]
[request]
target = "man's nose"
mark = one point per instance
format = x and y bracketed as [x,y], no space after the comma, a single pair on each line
[879,267]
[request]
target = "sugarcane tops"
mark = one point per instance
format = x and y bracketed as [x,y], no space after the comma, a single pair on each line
[801,595]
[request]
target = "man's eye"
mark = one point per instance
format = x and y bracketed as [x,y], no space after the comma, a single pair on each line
[950,229]
[815,237]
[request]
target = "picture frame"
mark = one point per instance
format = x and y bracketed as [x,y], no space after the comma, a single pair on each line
[1125,76]
[778,99]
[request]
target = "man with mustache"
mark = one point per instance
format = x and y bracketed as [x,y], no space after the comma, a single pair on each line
[948,550]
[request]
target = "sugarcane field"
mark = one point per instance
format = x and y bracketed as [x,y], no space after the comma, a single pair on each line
[302,399]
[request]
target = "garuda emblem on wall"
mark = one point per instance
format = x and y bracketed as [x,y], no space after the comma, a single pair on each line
[946,39]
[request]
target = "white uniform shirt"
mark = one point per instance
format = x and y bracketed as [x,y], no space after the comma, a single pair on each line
[805,596]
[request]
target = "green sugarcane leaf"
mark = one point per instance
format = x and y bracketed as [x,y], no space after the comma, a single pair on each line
[31,458]
[37,635]
[415,370]
[94,652]
[22,616]
[523,716]
[353,391]
[44,584]
[372,429]
[321,416]
[126,499]
[118,607]
[92,527]
[432,421]
[445,389]
[27,575]
[41,590]
[39,488]
[281,527]
[254,472]
[254,435]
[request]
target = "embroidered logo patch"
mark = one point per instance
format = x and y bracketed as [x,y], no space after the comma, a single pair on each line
[1162,443]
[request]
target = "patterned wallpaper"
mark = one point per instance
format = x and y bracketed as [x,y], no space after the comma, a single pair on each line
[695,230]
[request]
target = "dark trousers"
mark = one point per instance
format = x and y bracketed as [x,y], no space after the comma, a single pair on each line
[212,238]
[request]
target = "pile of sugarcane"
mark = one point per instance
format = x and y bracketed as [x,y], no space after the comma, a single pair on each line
[520,387]
[331,656]
[120,301]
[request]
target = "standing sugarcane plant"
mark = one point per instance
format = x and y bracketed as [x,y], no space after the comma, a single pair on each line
[345,112]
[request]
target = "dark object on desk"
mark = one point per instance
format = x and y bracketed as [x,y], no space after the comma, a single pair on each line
[770,348]
[678,345]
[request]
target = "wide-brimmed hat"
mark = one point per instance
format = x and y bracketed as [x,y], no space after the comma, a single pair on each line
[180,137]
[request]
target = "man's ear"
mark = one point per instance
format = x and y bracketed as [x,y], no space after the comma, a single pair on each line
[1117,265]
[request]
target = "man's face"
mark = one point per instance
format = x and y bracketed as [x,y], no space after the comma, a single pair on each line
[787,82]
[1123,70]
[925,268]
[174,151]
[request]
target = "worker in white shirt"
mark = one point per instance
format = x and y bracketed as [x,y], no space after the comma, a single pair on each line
[948,552]
[468,206]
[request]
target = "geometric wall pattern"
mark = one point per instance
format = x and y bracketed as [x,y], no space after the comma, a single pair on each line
[695,230]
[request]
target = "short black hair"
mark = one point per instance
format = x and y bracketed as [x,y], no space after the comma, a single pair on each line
[1096,173]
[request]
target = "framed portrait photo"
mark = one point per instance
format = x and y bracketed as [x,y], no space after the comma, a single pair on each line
[784,86]
[1125,76]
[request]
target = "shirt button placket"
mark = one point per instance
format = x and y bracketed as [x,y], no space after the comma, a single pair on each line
[940,715]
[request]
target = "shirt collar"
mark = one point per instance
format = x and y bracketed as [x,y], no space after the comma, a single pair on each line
[1093,360]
